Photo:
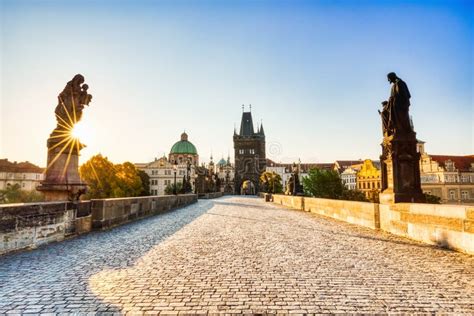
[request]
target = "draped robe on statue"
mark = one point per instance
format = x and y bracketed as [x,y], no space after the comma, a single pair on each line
[398,105]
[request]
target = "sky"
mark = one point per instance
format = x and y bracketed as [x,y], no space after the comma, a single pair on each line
[314,72]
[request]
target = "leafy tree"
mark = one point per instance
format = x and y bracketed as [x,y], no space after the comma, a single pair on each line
[14,194]
[271,182]
[432,199]
[106,180]
[327,184]
[323,184]
[353,195]
[170,188]
[145,178]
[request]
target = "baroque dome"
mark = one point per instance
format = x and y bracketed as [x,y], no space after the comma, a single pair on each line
[183,146]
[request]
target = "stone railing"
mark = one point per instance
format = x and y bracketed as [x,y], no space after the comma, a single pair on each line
[449,226]
[212,195]
[33,224]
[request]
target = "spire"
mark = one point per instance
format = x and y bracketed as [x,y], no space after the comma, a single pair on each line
[261,131]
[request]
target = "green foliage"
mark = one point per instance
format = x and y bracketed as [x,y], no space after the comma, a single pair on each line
[14,194]
[353,195]
[327,184]
[271,182]
[145,178]
[432,199]
[170,188]
[106,180]
[323,184]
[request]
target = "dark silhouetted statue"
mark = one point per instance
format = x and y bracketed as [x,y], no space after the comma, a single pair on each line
[62,181]
[399,159]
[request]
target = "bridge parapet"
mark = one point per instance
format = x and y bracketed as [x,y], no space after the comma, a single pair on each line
[29,225]
[447,226]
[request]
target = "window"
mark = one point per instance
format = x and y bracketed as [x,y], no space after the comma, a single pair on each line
[168,172]
[452,194]
[464,195]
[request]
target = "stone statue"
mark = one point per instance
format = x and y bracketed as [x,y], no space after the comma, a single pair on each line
[400,161]
[290,185]
[395,117]
[62,181]
[71,102]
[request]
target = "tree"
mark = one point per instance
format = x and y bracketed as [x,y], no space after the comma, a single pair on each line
[271,182]
[106,180]
[328,185]
[323,184]
[145,178]
[170,188]
[432,199]
[14,194]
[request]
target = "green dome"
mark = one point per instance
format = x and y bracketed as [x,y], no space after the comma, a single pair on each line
[183,146]
[222,162]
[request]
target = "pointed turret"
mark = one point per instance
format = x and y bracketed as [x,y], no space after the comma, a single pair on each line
[261,131]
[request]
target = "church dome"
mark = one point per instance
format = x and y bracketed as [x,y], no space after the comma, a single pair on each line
[183,146]
[222,162]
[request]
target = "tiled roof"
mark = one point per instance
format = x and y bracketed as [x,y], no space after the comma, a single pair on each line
[19,167]
[305,167]
[462,163]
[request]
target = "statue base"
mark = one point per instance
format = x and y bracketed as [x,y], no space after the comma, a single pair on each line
[400,170]
[62,181]
[62,192]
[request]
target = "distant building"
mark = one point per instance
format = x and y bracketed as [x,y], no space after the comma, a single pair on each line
[27,175]
[369,179]
[161,171]
[449,177]
[225,172]
[285,170]
[349,176]
[249,148]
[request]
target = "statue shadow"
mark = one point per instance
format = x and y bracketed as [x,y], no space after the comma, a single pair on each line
[57,275]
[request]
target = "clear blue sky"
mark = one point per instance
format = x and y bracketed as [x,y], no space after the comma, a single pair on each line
[314,71]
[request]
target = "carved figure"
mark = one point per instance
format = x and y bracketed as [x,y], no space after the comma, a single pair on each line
[395,117]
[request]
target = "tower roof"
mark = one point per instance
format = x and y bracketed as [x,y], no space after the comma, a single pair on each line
[246,125]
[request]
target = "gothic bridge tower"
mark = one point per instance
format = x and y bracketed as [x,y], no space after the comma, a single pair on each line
[250,159]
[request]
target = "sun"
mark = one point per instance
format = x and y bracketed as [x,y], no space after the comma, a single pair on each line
[81,132]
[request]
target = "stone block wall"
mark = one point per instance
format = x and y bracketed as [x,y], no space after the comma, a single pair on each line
[360,213]
[213,195]
[296,202]
[30,225]
[448,226]
[107,213]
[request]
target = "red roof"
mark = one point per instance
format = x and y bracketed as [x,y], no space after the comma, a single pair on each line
[19,167]
[462,163]
[305,167]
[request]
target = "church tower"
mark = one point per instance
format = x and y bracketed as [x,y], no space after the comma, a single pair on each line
[250,159]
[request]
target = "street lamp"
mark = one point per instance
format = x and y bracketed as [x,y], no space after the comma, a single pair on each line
[175,168]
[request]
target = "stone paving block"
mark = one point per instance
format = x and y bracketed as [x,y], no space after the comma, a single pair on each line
[237,255]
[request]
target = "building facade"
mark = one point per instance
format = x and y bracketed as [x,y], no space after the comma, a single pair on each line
[250,162]
[369,179]
[27,175]
[451,178]
[162,171]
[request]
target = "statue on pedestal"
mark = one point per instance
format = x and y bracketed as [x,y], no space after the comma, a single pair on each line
[399,159]
[62,181]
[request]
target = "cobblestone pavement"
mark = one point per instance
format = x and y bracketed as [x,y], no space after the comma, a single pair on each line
[237,254]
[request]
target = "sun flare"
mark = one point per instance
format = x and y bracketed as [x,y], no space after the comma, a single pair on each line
[81,132]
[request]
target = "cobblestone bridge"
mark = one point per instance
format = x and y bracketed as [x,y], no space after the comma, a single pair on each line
[237,254]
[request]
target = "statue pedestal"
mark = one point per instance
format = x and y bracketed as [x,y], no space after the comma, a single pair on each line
[62,181]
[400,170]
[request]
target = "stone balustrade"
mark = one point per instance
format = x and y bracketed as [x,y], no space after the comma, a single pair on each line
[448,226]
[29,225]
